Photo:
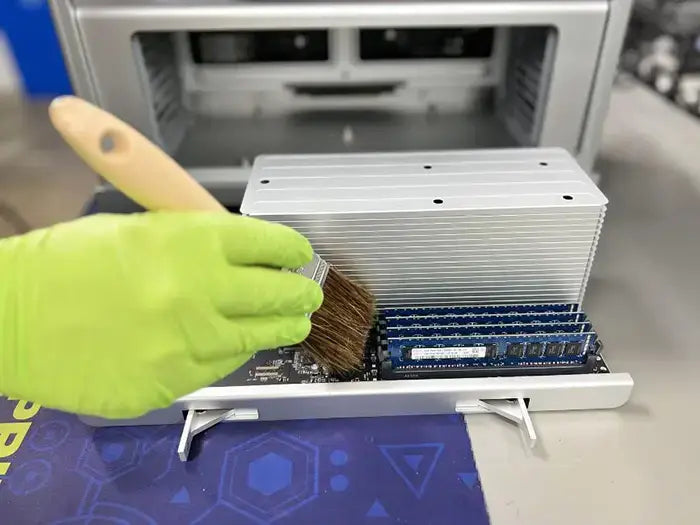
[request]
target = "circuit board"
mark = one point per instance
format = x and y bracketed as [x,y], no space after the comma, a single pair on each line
[429,342]
[292,365]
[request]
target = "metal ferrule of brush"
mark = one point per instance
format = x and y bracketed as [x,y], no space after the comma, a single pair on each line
[316,270]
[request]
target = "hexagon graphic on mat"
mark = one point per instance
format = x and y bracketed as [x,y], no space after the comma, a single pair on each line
[270,473]
[29,477]
[111,453]
[49,435]
[269,476]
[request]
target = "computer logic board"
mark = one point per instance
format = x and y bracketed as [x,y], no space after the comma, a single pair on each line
[433,342]
[292,365]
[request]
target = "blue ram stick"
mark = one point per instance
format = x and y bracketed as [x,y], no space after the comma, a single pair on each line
[495,309]
[486,329]
[490,350]
[396,345]
[471,319]
[428,340]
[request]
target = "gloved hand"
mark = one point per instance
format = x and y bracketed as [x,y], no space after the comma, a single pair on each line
[115,315]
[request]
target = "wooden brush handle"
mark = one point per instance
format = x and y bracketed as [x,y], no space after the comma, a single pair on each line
[127,159]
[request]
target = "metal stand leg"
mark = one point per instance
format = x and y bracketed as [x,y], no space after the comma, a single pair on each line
[199,421]
[512,411]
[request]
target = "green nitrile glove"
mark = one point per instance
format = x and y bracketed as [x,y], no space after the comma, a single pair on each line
[115,315]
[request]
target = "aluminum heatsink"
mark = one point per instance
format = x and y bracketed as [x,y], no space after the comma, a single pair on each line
[441,228]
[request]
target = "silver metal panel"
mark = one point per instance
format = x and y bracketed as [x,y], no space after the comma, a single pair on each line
[470,227]
[68,29]
[231,141]
[394,398]
[615,30]
[427,396]
[307,185]
[107,28]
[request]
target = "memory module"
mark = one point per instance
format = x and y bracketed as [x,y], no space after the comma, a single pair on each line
[436,311]
[485,340]
[490,319]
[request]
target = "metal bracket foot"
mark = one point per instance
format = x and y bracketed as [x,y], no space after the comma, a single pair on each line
[198,421]
[515,411]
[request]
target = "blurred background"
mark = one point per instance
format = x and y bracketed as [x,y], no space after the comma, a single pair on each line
[41,182]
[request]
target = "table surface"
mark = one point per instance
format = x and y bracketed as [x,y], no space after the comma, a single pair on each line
[639,464]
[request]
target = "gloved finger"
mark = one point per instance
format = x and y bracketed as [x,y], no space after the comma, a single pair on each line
[248,335]
[267,292]
[249,241]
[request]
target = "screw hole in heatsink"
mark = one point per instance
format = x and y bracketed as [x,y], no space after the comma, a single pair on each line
[264,181]
[544,164]
[438,201]
[427,167]
[567,197]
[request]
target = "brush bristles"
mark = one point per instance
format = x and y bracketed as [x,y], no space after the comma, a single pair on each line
[341,326]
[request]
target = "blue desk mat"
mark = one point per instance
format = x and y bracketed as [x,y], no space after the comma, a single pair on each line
[409,470]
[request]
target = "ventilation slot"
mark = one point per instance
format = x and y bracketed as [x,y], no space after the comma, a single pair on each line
[164,89]
[530,54]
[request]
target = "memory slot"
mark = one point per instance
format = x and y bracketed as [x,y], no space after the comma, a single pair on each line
[434,311]
[486,329]
[472,319]
[500,369]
